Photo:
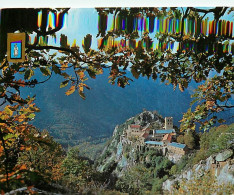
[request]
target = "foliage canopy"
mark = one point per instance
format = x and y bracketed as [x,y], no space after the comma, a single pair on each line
[204,48]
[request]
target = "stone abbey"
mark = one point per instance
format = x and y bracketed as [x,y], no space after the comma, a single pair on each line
[164,138]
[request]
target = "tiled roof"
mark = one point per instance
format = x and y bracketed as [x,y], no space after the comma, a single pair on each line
[145,135]
[135,126]
[177,145]
[164,131]
[154,143]
[167,137]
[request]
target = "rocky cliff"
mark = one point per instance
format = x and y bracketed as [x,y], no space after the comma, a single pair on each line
[123,160]
[219,168]
[121,153]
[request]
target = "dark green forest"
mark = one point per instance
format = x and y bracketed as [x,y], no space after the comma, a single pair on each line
[72,119]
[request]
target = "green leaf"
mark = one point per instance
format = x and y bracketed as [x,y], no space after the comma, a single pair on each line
[8,111]
[1,89]
[34,109]
[31,116]
[87,43]
[45,71]
[64,83]
[28,74]
[9,136]
[221,121]
[185,84]
[53,55]
[65,75]
[91,73]
[135,73]
[56,69]
[154,76]
[193,101]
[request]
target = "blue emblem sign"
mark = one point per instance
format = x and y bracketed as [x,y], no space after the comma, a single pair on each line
[16,47]
[16,50]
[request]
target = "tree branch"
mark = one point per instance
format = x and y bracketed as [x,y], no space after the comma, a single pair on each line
[32,47]
[202,10]
[6,161]
[224,106]
[218,11]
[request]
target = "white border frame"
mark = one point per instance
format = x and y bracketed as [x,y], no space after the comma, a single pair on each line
[113,3]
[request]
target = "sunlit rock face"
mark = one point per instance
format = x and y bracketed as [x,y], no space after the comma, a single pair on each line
[220,165]
[122,152]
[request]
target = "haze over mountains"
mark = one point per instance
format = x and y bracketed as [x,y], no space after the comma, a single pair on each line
[71,119]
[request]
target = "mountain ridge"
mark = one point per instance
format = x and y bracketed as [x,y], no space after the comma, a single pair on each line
[71,120]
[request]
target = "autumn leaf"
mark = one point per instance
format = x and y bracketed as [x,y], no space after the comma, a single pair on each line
[181,87]
[99,71]
[81,88]
[21,83]
[21,118]
[86,86]
[30,190]
[28,148]
[3,180]
[5,67]
[82,95]
[1,149]
[186,37]
[64,83]
[64,66]
[71,90]
[81,74]
[18,176]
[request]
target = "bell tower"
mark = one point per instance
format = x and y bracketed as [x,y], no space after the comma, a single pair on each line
[168,123]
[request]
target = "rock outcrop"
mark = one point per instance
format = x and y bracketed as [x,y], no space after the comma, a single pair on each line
[30,190]
[121,153]
[222,156]
[220,165]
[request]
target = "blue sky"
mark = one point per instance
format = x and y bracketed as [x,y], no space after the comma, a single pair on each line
[80,22]
[113,3]
[83,21]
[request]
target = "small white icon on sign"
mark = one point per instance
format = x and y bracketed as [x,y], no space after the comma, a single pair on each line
[16,50]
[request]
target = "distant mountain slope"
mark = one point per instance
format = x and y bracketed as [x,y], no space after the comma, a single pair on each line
[69,118]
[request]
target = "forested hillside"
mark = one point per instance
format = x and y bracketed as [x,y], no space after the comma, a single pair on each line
[70,119]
